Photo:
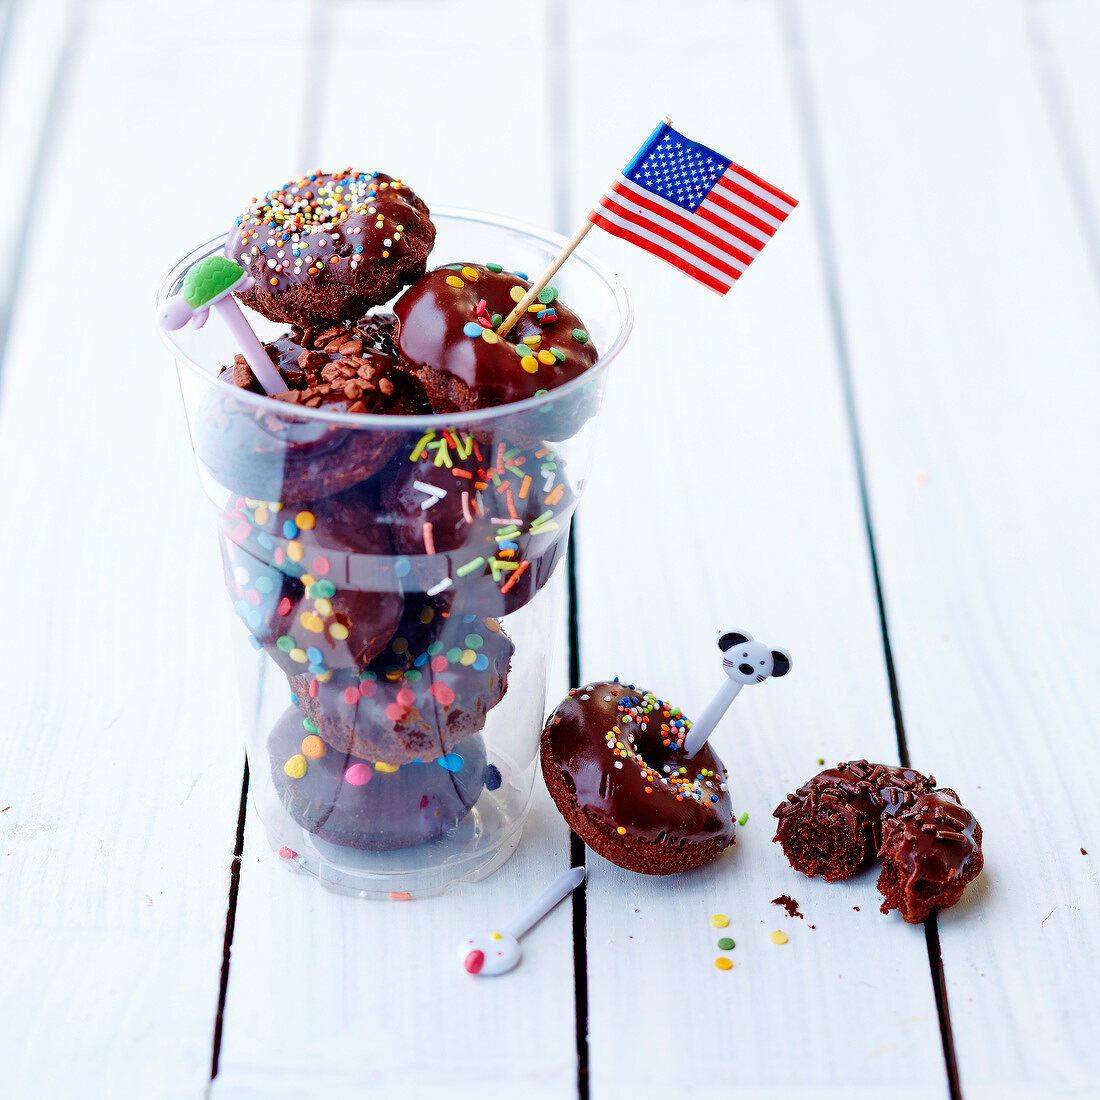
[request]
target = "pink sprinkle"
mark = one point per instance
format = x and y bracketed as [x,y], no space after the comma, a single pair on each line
[406,696]
[287,853]
[395,712]
[357,775]
[313,688]
[443,693]
[253,597]
[481,306]
[280,555]
[240,532]
[321,565]
[367,688]
[466,507]
[351,696]
[440,663]
[429,542]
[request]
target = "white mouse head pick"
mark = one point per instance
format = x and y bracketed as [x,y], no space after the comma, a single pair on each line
[749,662]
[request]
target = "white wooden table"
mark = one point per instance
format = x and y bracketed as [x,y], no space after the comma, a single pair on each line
[880,451]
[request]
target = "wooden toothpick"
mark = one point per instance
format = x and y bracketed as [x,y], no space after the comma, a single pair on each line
[540,283]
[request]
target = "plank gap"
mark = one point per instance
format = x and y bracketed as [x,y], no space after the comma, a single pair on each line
[64,66]
[806,117]
[1067,143]
[230,921]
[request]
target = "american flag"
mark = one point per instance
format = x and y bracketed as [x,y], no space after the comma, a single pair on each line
[691,206]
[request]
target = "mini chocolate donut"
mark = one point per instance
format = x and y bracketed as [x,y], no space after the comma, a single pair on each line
[929,852]
[832,825]
[331,246]
[265,451]
[432,686]
[843,817]
[487,521]
[278,563]
[445,337]
[372,804]
[612,762]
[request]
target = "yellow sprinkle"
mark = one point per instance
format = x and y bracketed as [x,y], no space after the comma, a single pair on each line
[517,293]
[534,307]
[399,645]
[261,516]
[313,747]
[546,357]
[275,505]
[294,551]
[719,920]
[389,769]
[339,632]
[621,831]
[307,579]
[468,657]
[385,255]
[468,273]
[532,341]
[299,655]
[427,614]
[723,964]
[779,937]
[313,623]
[322,606]
[493,625]
[296,766]
[529,363]
[489,336]
[496,936]
[306,520]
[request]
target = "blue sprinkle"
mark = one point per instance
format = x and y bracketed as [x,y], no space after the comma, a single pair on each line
[293,699]
[255,642]
[420,660]
[520,274]
[493,777]
[265,585]
[290,529]
[243,608]
[318,670]
[255,620]
[451,761]
[358,248]
[481,663]
[263,248]
[265,540]
[315,655]
[401,567]
[471,328]
[508,545]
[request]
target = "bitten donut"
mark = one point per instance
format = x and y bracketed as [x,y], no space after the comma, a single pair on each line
[268,452]
[279,563]
[612,762]
[445,336]
[433,685]
[845,816]
[331,245]
[487,522]
[372,804]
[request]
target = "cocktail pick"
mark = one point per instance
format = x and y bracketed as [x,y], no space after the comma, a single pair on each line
[491,953]
[745,662]
[210,284]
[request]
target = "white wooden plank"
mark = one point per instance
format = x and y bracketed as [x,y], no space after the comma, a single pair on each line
[122,761]
[973,331]
[726,497]
[374,997]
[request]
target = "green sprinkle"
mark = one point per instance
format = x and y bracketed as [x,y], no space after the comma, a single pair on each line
[418,450]
[558,354]
[474,641]
[497,318]
[494,267]
[453,655]
[454,267]
[307,723]
[821,759]
[744,818]
[507,532]
[580,336]
[539,393]
[285,643]
[435,649]
[726,944]
[413,675]
[321,590]
[547,294]
[470,566]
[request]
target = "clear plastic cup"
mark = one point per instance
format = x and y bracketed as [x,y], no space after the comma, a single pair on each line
[393,681]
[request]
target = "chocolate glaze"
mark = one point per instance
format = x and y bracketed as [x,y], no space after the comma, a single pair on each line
[464,372]
[934,840]
[853,798]
[348,240]
[604,725]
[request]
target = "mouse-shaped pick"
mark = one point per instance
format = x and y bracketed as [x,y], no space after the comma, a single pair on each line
[744,661]
[490,953]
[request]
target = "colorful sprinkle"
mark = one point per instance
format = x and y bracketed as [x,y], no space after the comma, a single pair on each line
[778,937]
[472,329]
[723,963]
[726,944]
[580,336]
[450,761]
[743,819]
[296,766]
[547,294]
[313,747]
[516,294]
[469,274]
[358,774]
[719,920]
[455,281]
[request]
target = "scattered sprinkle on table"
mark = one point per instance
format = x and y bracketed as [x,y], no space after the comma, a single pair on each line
[744,818]
[723,963]
[821,760]
[726,944]
[287,853]
[778,937]
[719,920]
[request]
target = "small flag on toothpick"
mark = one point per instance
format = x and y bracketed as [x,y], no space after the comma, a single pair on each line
[693,207]
[686,203]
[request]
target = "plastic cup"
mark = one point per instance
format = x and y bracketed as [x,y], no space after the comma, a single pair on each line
[393,683]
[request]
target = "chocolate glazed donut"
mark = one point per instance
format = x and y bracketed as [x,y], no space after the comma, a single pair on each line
[612,763]
[845,816]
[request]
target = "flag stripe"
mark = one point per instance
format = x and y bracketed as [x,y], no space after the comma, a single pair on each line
[781,198]
[721,244]
[639,235]
[674,237]
[747,202]
[724,220]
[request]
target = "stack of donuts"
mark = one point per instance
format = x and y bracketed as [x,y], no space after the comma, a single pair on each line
[372,560]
